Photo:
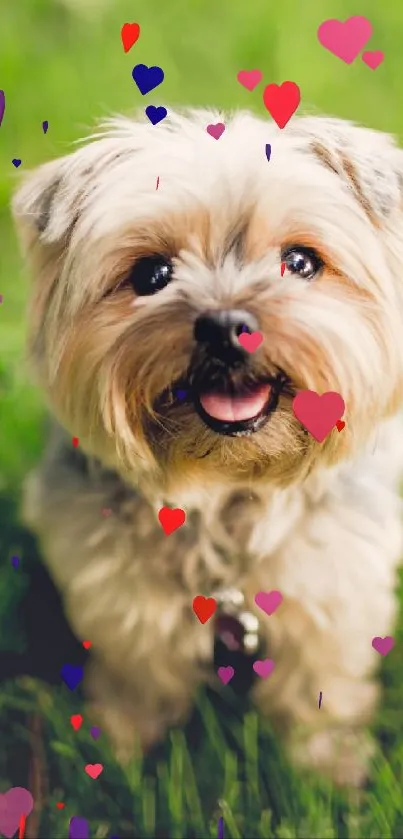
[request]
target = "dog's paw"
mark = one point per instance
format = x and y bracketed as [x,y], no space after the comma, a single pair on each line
[342,755]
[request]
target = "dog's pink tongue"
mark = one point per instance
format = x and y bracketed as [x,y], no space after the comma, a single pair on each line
[235,408]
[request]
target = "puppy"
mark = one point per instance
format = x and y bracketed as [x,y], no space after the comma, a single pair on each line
[141,290]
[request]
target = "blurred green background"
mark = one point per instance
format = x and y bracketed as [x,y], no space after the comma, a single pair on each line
[63,61]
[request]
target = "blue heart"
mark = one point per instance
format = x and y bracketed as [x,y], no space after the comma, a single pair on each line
[268,151]
[181,394]
[71,675]
[16,162]
[147,78]
[156,115]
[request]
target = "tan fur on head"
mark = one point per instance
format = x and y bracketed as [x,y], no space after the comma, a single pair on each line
[86,218]
[274,510]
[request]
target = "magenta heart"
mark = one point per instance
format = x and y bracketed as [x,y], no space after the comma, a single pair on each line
[216,130]
[318,413]
[250,78]
[263,668]
[14,803]
[347,38]
[269,601]
[383,645]
[225,674]
[373,59]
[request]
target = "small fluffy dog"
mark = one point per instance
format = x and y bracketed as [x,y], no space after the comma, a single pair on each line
[140,295]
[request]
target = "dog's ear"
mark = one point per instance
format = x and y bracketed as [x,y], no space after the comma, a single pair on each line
[368,161]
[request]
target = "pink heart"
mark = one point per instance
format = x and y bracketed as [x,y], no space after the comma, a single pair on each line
[383,645]
[263,668]
[269,601]
[250,341]
[373,59]
[14,803]
[318,413]
[94,769]
[250,78]
[216,130]
[345,39]
[225,674]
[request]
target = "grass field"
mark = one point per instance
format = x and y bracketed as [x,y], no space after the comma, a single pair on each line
[68,67]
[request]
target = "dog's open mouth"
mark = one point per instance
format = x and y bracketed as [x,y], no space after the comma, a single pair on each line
[236,411]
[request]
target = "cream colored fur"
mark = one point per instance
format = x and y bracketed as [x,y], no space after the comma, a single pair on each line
[319,522]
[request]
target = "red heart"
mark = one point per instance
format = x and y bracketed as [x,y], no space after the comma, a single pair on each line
[94,769]
[60,805]
[282,101]
[87,644]
[76,721]
[75,442]
[204,607]
[250,341]
[170,520]
[129,33]
[340,425]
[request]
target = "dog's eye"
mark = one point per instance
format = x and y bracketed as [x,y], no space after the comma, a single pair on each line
[302,261]
[150,274]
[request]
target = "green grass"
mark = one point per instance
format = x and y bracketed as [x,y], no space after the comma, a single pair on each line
[71,69]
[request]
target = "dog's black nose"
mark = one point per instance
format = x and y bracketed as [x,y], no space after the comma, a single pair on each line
[219,331]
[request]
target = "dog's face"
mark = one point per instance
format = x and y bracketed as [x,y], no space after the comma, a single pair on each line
[141,293]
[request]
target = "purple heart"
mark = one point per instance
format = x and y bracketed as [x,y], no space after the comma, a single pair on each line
[45,126]
[147,78]
[14,803]
[181,394]
[15,561]
[71,675]
[268,151]
[16,162]
[78,828]
[156,115]
[383,645]
[2,105]
[95,732]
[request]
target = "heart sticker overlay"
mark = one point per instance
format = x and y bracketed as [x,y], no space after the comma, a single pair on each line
[60,805]
[16,161]
[76,721]
[250,341]
[95,732]
[87,644]
[340,424]
[170,520]
[79,828]
[318,413]
[147,78]
[269,601]
[14,803]
[281,101]
[373,59]
[264,668]
[216,130]
[94,770]
[345,39]
[250,78]
[204,607]
[2,105]
[383,645]
[268,151]
[156,115]
[75,442]
[225,674]
[71,675]
[129,34]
